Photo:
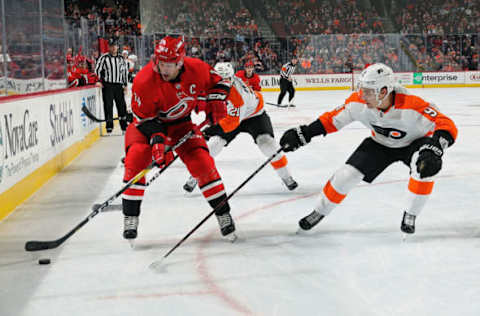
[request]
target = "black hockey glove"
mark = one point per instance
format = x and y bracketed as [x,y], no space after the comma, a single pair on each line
[212,131]
[129,117]
[294,138]
[429,161]
[430,153]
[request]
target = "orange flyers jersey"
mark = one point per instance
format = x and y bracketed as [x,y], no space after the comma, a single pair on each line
[242,103]
[410,117]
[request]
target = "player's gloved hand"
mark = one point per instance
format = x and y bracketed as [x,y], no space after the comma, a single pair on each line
[158,148]
[216,110]
[294,138]
[201,105]
[212,131]
[429,161]
[129,117]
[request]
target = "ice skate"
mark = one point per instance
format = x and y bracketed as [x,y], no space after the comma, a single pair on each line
[310,220]
[190,185]
[130,225]
[408,223]
[290,183]
[227,226]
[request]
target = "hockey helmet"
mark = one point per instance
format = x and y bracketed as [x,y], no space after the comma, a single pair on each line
[225,70]
[170,50]
[377,77]
[249,64]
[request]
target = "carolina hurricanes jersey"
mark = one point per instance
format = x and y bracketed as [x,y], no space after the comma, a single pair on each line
[242,103]
[171,100]
[77,73]
[253,81]
[409,118]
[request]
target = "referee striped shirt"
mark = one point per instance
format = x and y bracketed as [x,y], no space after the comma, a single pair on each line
[112,69]
[287,70]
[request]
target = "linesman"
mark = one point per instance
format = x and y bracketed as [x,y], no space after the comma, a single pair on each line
[286,81]
[113,73]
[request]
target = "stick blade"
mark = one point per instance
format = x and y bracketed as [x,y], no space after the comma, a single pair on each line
[34,245]
[158,266]
[89,114]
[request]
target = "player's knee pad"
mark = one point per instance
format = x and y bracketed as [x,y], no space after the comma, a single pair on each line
[345,178]
[215,145]
[266,144]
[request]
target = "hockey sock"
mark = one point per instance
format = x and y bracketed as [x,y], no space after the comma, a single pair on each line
[417,195]
[337,188]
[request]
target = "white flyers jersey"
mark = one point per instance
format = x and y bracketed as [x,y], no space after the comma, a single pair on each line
[409,118]
[242,103]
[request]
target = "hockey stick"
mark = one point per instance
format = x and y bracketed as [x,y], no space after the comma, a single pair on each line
[35,245]
[281,105]
[220,205]
[90,115]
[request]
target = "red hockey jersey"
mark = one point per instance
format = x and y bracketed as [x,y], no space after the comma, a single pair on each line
[78,77]
[253,82]
[171,100]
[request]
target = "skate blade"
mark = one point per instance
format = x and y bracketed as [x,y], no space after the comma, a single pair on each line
[132,243]
[232,237]
[300,231]
[158,266]
[406,237]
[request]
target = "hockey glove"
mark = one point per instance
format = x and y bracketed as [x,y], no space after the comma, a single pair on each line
[216,110]
[429,161]
[158,148]
[201,104]
[294,138]
[216,107]
[212,131]
[129,117]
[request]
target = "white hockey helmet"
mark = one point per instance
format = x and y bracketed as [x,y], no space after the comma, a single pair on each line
[133,57]
[376,77]
[225,70]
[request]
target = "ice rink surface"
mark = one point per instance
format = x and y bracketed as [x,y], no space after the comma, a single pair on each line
[353,263]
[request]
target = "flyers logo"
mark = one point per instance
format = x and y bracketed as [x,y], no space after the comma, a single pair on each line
[389,132]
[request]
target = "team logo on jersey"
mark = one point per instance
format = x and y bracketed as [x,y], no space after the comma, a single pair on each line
[389,132]
[176,111]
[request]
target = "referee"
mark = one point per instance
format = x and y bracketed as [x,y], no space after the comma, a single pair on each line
[112,71]
[286,81]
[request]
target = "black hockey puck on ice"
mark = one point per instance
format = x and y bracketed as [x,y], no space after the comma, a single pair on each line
[44,261]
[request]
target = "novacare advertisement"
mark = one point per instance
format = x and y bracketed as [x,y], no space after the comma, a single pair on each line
[35,130]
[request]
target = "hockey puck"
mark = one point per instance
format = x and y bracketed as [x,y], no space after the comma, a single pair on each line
[44,261]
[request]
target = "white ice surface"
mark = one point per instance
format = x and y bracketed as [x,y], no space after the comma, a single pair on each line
[353,263]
